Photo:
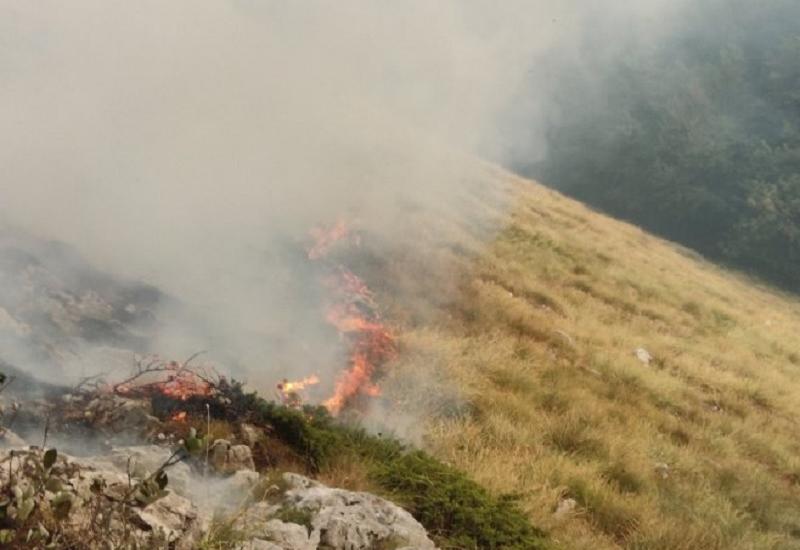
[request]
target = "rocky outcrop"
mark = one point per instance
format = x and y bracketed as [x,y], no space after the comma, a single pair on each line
[113,499]
[95,505]
[310,515]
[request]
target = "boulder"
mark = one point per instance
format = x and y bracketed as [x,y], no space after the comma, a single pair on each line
[310,515]
[299,514]
[227,458]
[93,488]
[250,434]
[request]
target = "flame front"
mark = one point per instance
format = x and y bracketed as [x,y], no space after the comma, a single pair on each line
[172,379]
[289,391]
[183,383]
[354,313]
[286,386]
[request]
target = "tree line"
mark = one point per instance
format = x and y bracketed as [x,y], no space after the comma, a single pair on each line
[695,137]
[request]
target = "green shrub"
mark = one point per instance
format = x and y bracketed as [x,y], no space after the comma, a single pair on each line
[455,510]
[300,516]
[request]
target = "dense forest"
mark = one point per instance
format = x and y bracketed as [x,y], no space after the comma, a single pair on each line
[695,136]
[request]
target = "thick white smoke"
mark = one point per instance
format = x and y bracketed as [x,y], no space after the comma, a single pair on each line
[178,142]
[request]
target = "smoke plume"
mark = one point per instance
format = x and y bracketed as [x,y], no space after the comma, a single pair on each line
[191,145]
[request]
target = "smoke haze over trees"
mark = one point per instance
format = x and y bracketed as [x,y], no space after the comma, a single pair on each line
[692,131]
[184,144]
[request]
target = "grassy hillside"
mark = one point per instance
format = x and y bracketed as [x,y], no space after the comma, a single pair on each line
[520,350]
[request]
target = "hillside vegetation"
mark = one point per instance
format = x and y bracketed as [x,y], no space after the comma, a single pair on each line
[522,353]
[695,136]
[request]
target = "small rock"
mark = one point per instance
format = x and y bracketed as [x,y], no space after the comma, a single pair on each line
[643,355]
[565,506]
[662,469]
[250,434]
[227,458]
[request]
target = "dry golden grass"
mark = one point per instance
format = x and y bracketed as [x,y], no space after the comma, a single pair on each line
[521,350]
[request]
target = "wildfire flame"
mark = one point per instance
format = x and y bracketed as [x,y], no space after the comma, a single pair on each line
[289,391]
[352,310]
[324,239]
[286,386]
[354,313]
[179,416]
[173,380]
[183,384]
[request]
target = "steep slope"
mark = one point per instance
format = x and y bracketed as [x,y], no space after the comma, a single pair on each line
[526,369]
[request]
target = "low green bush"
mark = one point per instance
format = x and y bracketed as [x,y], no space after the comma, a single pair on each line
[453,507]
[457,512]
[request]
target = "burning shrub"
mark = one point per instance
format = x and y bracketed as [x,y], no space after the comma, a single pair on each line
[170,378]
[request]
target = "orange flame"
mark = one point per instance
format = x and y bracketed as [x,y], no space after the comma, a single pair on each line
[372,346]
[176,381]
[354,314]
[289,391]
[324,239]
[286,386]
[183,384]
